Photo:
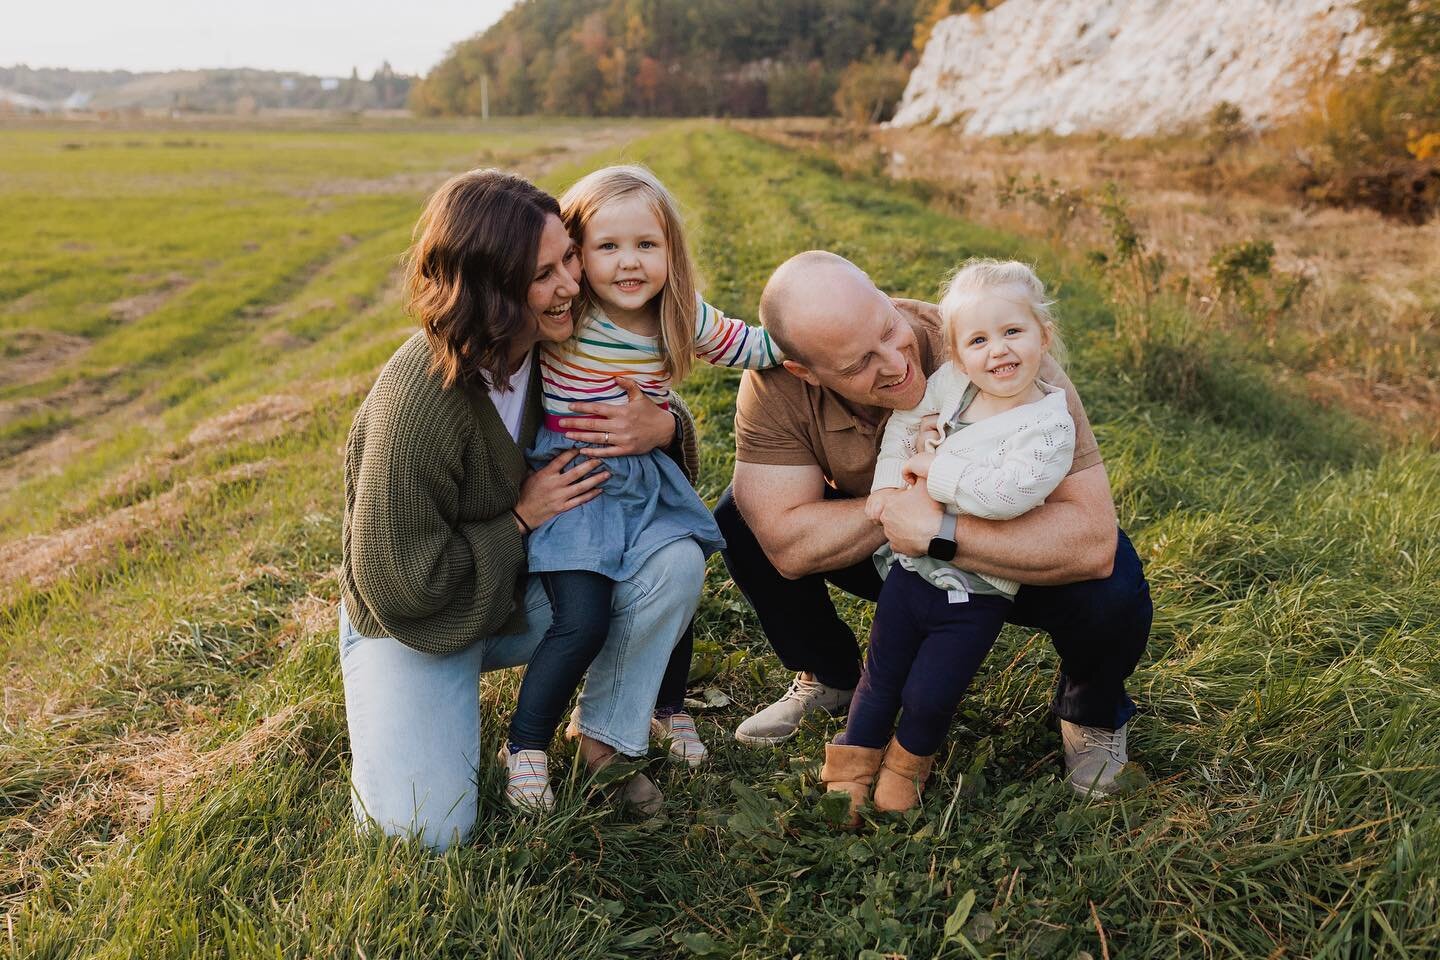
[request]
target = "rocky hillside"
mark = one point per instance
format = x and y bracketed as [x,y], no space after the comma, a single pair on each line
[1131,67]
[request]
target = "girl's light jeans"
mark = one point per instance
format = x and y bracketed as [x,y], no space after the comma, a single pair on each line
[414,717]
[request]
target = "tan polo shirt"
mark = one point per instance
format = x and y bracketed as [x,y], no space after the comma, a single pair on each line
[782,420]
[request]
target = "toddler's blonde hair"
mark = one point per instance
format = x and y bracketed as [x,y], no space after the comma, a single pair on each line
[980,276]
[678,307]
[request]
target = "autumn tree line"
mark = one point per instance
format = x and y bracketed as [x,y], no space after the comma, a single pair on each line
[687,57]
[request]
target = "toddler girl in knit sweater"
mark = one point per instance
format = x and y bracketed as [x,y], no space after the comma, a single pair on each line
[638,317]
[1005,440]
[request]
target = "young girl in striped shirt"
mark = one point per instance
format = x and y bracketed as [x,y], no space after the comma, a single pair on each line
[638,317]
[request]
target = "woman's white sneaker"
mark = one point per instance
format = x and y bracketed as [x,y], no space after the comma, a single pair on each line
[683,741]
[528,785]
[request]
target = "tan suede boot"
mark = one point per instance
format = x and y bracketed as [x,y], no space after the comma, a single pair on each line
[851,770]
[902,778]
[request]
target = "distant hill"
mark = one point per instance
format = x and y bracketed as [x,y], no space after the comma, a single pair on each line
[218,91]
[667,57]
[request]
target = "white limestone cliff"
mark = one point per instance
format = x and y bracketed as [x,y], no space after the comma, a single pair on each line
[1130,67]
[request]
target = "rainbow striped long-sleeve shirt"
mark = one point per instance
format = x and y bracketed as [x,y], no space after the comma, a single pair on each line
[585,366]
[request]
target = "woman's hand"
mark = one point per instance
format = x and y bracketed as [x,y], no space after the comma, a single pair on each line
[875,503]
[636,426]
[917,468]
[552,489]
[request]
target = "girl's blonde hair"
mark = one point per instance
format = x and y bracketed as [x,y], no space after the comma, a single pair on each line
[678,312]
[983,275]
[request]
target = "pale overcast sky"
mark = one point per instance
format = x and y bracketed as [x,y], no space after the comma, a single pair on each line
[312,36]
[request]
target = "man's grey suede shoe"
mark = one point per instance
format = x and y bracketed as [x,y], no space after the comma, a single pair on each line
[1094,757]
[779,721]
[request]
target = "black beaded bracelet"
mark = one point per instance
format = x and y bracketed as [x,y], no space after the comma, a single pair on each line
[521,520]
[679,429]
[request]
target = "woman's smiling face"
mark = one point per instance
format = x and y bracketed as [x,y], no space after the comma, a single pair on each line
[555,283]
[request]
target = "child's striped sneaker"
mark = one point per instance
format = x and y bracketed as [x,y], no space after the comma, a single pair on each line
[679,731]
[528,786]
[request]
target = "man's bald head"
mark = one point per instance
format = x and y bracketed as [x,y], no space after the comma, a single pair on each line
[811,287]
[841,333]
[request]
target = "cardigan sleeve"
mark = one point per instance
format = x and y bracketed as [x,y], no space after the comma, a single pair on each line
[685,448]
[1006,474]
[410,557]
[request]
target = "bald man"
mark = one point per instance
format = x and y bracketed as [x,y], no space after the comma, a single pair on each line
[806,440]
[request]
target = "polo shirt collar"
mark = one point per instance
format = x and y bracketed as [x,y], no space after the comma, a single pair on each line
[836,415]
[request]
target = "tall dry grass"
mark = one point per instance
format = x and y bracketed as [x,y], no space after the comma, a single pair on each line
[1365,334]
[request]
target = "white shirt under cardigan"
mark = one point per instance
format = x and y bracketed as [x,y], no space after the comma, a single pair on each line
[997,468]
[510,404]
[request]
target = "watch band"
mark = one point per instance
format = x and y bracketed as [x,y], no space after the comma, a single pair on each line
[942,545]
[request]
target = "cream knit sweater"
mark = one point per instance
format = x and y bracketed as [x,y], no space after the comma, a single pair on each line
[998,468]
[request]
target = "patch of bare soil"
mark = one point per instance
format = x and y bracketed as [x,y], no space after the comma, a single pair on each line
[28,355]
[408,182]
[282,341]
[48,457]
[22,304]
[141,305]
[76,399]
[75,402]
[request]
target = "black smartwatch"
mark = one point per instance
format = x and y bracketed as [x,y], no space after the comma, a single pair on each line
[942,545]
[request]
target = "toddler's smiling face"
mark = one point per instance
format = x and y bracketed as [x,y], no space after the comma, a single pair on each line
[998,343]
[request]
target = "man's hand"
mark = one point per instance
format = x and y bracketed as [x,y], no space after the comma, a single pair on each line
[911,521]
[875,505]
[917,468]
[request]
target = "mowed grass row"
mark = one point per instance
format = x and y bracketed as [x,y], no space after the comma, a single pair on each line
[1287,719]
[139,544]
[154,269]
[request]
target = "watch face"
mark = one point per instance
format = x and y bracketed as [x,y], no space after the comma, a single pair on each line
[942,549]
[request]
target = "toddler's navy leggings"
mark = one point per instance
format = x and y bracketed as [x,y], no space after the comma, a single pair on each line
[580,624]
[923,652]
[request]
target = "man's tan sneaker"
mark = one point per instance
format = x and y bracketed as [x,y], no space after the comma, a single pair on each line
[1094,757]
[779,721]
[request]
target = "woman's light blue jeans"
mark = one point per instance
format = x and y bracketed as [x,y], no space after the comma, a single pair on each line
[414,717]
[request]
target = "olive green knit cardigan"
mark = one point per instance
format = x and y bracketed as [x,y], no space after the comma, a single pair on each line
[432,554]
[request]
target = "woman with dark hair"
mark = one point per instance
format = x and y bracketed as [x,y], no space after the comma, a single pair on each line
[438,502]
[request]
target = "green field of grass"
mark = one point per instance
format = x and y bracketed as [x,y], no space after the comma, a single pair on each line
[189,317]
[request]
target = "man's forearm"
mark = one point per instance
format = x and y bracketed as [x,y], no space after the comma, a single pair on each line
[1062,542]
[820,536]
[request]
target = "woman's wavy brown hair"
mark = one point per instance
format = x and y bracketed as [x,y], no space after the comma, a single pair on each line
[469,269]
